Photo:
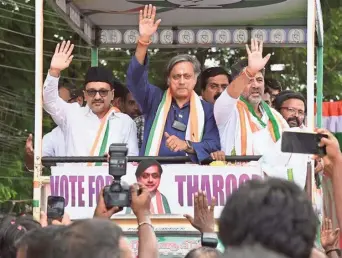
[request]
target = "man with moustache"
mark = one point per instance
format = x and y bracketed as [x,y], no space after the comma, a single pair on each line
[292,106]
[130,105]
[89,130]
[124,101]
[244,120]
[213,82]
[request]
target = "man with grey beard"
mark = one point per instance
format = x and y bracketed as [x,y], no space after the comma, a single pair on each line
[246,123]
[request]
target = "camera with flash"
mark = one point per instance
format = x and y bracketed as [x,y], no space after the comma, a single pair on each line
[118,193]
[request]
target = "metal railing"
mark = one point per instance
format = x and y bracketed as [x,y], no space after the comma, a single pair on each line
[48,161]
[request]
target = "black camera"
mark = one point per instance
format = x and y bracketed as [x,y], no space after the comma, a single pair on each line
[118,193]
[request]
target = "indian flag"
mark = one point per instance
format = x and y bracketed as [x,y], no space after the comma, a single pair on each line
[332,118]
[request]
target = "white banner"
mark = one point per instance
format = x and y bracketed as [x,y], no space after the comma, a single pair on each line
[173,193]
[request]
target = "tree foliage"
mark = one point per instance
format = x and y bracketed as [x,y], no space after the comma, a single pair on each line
[17,85]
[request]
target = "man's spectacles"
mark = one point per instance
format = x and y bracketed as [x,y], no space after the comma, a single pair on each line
[92,93]
[294,111]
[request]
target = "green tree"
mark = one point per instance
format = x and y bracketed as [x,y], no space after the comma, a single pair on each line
[17,85]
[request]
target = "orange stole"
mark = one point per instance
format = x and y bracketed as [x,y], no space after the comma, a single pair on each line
[102,125]
[242,110]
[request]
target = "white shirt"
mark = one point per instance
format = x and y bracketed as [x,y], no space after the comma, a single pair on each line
[304,128]
[80,125]
[275,163]
[227,117]
[53,143]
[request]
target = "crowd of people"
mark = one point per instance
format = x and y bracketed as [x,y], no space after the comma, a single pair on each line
[275,218]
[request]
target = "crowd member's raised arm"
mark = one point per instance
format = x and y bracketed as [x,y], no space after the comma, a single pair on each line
[203,220]
[137,73]
[332,167]
[330,239]
[223,107]
[141,203]
[53,104]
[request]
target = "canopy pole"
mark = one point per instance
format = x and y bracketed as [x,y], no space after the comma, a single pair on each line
[38,118]
[310,64]
[310,80]
[311,22]
[319,99]
[94,57]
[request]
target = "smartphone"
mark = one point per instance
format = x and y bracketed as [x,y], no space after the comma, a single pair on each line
[303,143]
[55,207]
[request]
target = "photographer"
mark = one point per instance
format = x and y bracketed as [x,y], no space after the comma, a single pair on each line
[141,208]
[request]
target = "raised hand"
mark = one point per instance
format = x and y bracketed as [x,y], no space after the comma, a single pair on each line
[62,57]
[29,145]
[203,220]
[147,26]
[329,237]
[255,60]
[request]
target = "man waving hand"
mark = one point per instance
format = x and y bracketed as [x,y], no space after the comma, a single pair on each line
[89,130]
[177,121]
[244,120]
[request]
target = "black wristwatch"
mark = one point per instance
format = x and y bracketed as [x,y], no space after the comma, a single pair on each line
[189,144]
[209,240]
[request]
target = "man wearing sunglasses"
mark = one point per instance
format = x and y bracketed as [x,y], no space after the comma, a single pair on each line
[89,130]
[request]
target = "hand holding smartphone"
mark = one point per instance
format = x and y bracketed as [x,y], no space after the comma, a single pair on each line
[303,143]
[55,207]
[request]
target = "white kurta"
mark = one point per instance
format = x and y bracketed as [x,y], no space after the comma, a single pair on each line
[276,163]
[80,125]
[53,143]
[228,122]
